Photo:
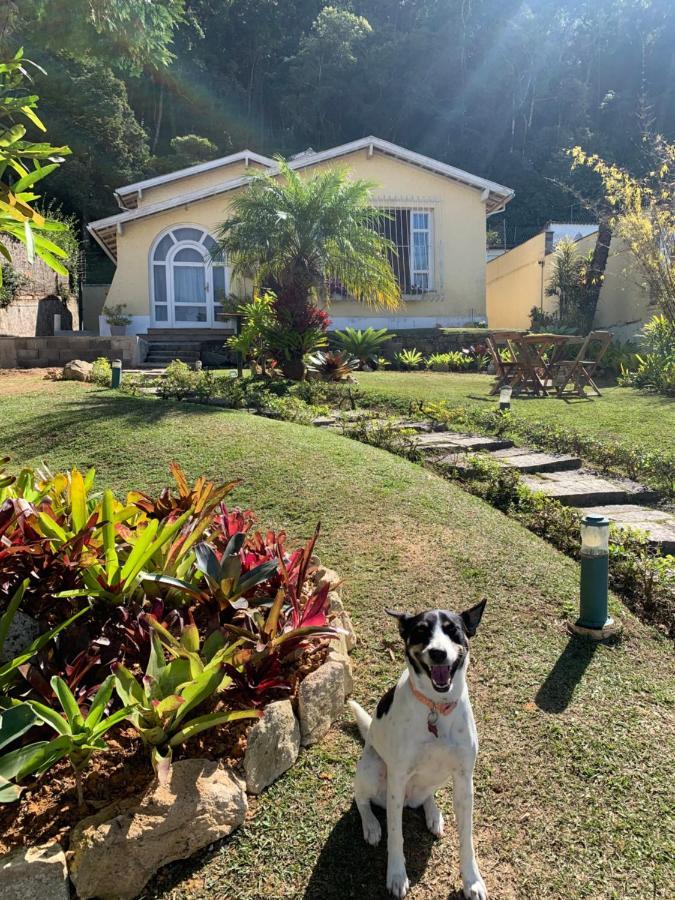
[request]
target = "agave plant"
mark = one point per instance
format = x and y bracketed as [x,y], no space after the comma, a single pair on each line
[363,345]
[332,366]
[160,705]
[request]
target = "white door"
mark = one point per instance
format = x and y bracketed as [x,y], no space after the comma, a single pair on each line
[188,282]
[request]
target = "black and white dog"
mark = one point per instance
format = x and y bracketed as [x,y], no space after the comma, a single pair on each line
[423,734]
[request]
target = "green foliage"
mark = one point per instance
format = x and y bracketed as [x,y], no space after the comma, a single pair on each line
[11,284]
[159,705]
[452,361]
[386,435]
[115,315]
[363,344]
[655,368]
[23,164]
[101,372]
[568,283]
[409,359]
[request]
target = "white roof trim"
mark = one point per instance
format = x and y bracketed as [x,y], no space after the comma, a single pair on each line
[242,156]
[497,197]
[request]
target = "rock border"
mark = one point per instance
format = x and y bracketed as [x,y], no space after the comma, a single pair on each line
[115,852]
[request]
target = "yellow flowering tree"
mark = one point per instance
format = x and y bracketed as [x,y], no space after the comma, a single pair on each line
[642,214]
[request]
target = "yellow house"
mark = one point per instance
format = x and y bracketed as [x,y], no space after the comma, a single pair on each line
[161,240]
[517,280]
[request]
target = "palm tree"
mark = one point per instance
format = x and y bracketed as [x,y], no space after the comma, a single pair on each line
[295,237]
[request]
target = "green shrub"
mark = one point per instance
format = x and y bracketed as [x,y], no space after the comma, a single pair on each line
[363,345]
[101,372]
[437,362]
[409,359]
[656,367]
[179,381]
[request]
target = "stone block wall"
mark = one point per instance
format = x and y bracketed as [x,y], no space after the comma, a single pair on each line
[48,352]
[431,340]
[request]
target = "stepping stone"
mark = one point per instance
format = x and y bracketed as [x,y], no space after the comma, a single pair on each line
[324,421]
[582,488]
[449,440]
[526,460]
[658,523]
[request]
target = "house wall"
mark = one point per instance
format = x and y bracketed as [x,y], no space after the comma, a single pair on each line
[514,286]
[458,238]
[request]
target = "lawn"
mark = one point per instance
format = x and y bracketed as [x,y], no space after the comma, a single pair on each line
[574,779]
[624,415]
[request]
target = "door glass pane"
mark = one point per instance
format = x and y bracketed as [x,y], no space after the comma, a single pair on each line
[159,275]
[420,281]
[188,234]
[163,247]
[190,313]
[188,284]
[209,243]
[161,313]
[188,254]
[219,289]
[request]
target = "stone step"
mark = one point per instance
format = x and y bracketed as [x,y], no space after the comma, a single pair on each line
[527,461]
[459,443]
[167,356]
[658,523]
[172,345]
[582,488]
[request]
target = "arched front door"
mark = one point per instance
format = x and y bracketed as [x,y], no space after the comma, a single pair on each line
[188,284]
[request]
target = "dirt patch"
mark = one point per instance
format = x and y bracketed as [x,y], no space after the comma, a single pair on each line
[26,381]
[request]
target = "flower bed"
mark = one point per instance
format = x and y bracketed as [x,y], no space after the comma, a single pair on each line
[137,635]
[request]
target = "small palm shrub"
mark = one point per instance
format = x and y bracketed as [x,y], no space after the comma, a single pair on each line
[409,359]
[656,367]
[437,362]
[363,345]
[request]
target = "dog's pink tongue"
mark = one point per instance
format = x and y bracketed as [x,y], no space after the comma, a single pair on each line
[440,674]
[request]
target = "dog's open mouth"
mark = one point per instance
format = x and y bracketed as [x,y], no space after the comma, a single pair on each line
[440,677]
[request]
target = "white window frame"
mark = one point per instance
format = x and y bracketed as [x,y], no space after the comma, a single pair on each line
[429,272]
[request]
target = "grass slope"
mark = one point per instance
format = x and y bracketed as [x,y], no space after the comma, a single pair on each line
[574,779]
[623,415]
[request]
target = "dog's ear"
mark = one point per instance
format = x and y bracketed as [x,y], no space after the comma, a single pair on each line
[401,617]
[471,618]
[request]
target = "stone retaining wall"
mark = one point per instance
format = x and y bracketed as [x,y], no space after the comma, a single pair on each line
[44,352]
[431,340]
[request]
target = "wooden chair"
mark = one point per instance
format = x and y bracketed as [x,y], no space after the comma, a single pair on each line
[571,377]
[506,371]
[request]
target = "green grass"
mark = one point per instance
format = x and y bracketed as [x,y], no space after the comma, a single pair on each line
[574,788]
[622,415]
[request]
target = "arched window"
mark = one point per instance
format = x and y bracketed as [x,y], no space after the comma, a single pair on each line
[188,284]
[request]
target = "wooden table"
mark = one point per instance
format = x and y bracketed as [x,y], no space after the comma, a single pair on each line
[544,352]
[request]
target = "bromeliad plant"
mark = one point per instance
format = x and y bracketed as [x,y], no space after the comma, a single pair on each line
[160,705]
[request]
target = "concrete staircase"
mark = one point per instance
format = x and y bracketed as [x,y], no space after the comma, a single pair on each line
[167,344]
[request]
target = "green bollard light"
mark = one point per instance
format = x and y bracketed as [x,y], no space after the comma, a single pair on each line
[116,373]
[594,620]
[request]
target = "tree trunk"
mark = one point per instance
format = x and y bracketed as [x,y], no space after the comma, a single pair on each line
[596,273]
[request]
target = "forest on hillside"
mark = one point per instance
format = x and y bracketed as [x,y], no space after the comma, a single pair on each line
[498,87]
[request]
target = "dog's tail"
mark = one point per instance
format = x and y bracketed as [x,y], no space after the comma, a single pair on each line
[363,720]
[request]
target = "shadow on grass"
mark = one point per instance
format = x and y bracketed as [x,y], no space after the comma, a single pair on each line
[348,867]
[93,408]
[556,692]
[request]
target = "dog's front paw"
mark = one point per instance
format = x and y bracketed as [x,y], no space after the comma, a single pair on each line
[474,886]
[397,881]
[435,822]
[372,831]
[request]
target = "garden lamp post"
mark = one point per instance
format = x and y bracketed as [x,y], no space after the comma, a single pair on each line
[505,398]
[116,373]
[594,620]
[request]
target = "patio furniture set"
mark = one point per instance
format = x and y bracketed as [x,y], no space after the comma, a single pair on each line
[544,365]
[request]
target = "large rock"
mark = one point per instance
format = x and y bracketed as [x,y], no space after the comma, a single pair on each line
[116,851]
[273,746]
[322,576]
[340,656]
[23,630]
[77,370]
[320,701]
[35,873]
[343,621]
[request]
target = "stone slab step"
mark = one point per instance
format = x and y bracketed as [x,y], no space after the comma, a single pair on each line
[658,523]
[525,460]
[449,440]
[191,356]
[581,488]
